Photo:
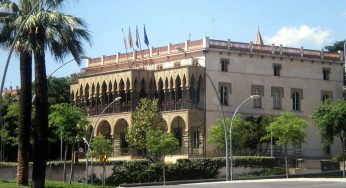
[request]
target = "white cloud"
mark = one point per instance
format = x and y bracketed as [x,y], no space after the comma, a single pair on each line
[309,37]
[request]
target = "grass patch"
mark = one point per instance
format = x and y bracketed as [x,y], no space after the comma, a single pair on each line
[50,184]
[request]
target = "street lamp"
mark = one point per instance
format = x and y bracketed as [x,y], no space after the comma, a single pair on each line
[51,74]
[230,130]
[221,110]
[91,136]
[345,56]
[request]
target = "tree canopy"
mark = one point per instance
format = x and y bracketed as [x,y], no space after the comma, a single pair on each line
[287,129]
[143,119]
[330,118]
[246,133]
[68,120]
[336,46]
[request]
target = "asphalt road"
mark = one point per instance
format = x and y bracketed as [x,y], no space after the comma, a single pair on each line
[273,183]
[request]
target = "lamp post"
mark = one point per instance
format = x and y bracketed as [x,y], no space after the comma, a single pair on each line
[92,133]
[221,110]
[345,56]
[230,130]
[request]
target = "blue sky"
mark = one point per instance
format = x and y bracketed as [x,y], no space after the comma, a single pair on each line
[295,23]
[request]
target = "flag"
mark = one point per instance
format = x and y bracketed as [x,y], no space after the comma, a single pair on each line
[146,41]
[137,37]
[130,39]
[125,43]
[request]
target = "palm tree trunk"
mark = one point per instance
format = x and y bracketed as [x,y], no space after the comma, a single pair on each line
[24,119]
[286,161]
[41,121]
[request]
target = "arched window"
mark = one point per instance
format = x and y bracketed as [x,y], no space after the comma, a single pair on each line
[257,102]
[296,101]
[178,135]
[224,95]
[277,99]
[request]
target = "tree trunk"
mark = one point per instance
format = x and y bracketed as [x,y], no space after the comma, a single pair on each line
[24,118]
[286,161]
[72,162]
[343,155]
[163,170]
[41,120]
[104,173]
[65,159]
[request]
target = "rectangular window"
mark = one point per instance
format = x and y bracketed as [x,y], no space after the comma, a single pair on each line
[224,65]
[224,90]
[326,95]
[326,73]
[297,96]
[277,69]
[257,90]
[277,94]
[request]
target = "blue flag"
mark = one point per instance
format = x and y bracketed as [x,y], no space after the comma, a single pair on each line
[146,41]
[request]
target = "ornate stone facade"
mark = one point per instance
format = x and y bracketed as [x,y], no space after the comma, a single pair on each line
[187,101]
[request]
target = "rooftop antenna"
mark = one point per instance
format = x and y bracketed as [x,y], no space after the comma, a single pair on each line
[189,36]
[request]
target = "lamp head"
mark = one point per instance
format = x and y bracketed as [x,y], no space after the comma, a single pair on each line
[254,96]
[117,99]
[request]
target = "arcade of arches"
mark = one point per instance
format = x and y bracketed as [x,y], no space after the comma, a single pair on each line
[180,91]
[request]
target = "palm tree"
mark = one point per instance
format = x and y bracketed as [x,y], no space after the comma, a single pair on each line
[7,32]
[62,34]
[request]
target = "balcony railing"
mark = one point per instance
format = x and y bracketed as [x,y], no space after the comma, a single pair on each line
[128,107]
[180,105]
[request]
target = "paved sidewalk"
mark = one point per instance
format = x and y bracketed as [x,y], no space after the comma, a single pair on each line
[269,183]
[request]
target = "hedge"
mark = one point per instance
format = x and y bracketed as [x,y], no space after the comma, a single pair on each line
[183,169]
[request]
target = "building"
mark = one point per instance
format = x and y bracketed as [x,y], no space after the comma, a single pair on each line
[12,91]
[287,79]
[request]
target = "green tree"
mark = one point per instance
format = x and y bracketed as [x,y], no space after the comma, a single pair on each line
[331,121]
[142,121]
[69,122]
[9,131]
[287,129]
[44,29]
[336,46]
[160,144]
[7,34]
[240,132]
[58,90]
[102,148]
[62,34]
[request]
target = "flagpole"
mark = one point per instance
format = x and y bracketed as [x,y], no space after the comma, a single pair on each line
[127,56]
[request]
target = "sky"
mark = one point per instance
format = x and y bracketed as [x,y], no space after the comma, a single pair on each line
[294,23]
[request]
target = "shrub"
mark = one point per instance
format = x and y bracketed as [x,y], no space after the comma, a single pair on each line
[338,157]
[183,169]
